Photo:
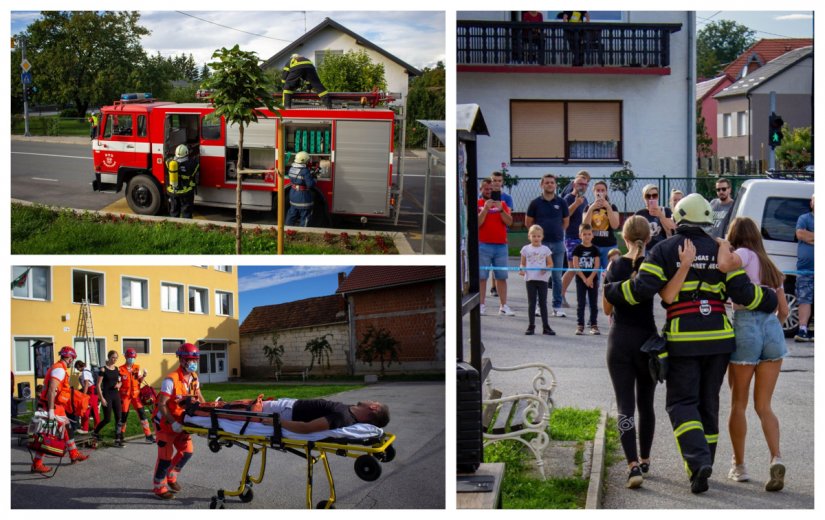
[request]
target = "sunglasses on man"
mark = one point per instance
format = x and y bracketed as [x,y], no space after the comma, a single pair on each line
[721,189]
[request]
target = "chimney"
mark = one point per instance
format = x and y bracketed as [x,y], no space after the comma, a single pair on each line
[341,278]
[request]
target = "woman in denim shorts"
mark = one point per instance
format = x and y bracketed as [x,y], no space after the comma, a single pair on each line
[760,347]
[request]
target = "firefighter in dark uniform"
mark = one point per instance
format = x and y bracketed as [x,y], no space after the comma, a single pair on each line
[699,335]
[300,193]
[181,179]
[296,71]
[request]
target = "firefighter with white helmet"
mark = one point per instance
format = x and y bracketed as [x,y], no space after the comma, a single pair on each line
[300,192]
[181,180]
[297,70]
[699,335]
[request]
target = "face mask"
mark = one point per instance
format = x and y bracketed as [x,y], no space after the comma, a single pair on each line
[192,366]
[130,362]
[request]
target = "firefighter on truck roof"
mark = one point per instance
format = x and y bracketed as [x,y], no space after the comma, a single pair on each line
[300,193]
[699,335]
[295,72]
[181,180]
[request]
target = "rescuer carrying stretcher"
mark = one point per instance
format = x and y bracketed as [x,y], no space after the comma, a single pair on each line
[699,335]
[295,72]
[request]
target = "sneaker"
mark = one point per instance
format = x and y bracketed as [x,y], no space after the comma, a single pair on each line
[174,487]
[558,313]
[549,332]
[699,480]
[163,493]
[530,331]
[804,336]
[482,309]
[594,330]
[738,473]
[76,456]
[580,330]
[150,438]
[644,466]
[777,472]
[634,478]
[39,467]
[505,310]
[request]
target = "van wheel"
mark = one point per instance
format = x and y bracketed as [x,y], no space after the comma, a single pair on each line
[143,195]
[791,325]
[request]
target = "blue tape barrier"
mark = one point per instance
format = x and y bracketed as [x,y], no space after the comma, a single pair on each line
[491,268]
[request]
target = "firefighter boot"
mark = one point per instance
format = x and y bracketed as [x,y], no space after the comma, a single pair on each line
[699,480]
[76,456]
[174,487]
[39,467]
[287,100]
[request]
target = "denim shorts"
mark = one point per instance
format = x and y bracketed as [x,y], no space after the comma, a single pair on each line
[492,255]
[759,337]
[804,289]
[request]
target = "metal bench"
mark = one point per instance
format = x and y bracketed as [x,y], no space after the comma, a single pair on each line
[302,372]
[523,416]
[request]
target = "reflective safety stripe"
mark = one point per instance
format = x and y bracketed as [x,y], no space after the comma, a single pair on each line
[322,94]
[686,427]
[288,91]
[757,298]
[731,274]
[653,269]
[294,63]
[628,295]
[712,438]
[693,285]
[699,336]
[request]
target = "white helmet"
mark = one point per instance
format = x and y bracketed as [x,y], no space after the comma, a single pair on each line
[181,151]
[301,158]
[693,209]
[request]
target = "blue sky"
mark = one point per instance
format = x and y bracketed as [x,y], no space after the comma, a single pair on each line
[767,24]
[416,37]
[269,285]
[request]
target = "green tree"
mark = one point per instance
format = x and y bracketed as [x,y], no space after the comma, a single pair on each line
[319,349]
[84,57]
[274,353]
[425,100]
[239,86]
[353,71]
[795,151]
[204,73]
[718,44]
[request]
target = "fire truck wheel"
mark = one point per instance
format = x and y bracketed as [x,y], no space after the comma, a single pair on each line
[143,195]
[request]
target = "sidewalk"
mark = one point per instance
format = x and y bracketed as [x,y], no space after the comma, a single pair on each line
[583,382]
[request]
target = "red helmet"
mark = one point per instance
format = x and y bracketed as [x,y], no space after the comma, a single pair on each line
[131,353]
[67,352]
[188,351]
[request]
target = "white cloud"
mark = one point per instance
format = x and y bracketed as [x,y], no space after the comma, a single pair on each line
[794,17]
[276,277]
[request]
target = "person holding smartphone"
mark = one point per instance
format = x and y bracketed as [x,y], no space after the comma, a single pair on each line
[659,217]
[603,217]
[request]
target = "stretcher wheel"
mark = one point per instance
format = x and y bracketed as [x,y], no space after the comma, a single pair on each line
[367,468]
[246,495]
[388,454]
[214,446]
[323,505]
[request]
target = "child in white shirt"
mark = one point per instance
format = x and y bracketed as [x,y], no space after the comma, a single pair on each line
[535,254]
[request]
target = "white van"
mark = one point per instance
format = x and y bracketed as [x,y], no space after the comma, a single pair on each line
[775,205]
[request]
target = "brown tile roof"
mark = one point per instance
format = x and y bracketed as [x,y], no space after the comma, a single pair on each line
[764,51]
[366,277]
[322,310]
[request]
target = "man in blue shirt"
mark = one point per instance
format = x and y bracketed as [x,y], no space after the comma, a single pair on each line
[552,214]
[805,262]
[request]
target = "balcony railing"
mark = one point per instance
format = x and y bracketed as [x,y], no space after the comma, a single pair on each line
[485,43]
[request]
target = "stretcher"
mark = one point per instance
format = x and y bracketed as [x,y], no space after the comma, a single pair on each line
[256,432]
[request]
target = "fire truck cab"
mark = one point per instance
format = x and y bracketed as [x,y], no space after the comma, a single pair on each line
[351,155]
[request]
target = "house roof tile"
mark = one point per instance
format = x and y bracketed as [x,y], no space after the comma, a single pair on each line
[763,51]
[766,72]
[367,277]
[310,312]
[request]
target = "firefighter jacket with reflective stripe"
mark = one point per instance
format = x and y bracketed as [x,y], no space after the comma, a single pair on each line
[697,325]
[187,176]
[180,390]
[302,182]
[295,64]
[130,381]
[64,390]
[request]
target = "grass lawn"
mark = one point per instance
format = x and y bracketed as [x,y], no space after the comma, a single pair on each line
[42,230]
[52,125]
[523,491]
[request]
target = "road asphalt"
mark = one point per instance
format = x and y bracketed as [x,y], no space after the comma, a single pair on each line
[583,382]
[114,478]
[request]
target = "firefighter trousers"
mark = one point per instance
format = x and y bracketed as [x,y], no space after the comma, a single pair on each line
[181,205]
[692,402]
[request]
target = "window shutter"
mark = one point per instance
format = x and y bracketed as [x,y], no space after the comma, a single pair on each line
[590,121]
[537,130]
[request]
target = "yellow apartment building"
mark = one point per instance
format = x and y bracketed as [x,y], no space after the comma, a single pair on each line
[152,309]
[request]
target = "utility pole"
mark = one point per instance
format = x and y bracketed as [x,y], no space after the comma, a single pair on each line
[23,64]
[772,154]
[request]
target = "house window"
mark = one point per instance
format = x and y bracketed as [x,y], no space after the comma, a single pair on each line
[23,355]
[134,293]
[171,297]
[565,131]
[89,286]
[741,123]
[198,300]
[727,131]
[320,55]
[224,268]
[223,303]
[32,283]
[100,351]
[171,346]
[141,345]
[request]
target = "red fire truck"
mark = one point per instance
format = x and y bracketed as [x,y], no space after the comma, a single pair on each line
[351,151]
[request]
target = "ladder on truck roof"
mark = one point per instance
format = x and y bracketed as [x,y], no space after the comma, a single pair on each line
[86,333]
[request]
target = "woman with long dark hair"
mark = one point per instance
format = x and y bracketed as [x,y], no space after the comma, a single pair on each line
[108,387]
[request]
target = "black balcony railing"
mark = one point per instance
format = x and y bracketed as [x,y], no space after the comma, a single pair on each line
[560,44]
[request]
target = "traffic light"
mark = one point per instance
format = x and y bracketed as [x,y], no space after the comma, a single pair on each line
[31,90]
[775,124]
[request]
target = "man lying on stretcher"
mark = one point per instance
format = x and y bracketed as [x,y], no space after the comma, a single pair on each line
[311,415]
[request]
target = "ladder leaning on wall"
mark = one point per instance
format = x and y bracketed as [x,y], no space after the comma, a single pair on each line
[86,334]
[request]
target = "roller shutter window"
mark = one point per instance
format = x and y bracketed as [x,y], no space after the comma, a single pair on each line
[594,130]
[537,130]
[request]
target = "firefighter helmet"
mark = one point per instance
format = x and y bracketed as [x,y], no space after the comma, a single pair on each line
[301,158]
[131,353]
[68,352]
[693,209]
[181,151]
[188,351]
